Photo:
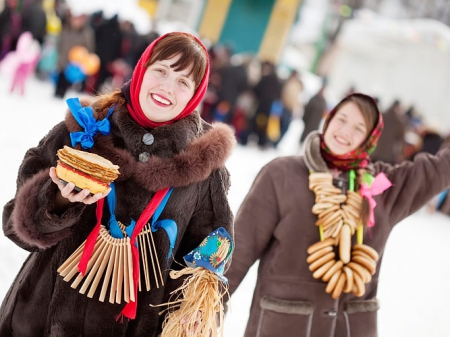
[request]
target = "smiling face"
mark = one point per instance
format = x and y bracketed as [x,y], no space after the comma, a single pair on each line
[347,130]
[165,92]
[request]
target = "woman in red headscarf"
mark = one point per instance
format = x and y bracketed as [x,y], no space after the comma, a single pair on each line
[319,223]
[172,184]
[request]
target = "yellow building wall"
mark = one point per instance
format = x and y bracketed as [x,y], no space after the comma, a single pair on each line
[214,16]
[150,6]
[277,31]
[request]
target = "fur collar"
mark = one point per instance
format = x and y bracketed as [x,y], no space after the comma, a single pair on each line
[182,153]
[313,158]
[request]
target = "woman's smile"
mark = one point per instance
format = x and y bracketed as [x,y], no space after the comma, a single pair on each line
[160,100]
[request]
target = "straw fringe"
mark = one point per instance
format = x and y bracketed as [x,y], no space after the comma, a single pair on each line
[199,293]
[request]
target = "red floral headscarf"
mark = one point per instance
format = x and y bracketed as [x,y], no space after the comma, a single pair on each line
[136,81]
[360,157]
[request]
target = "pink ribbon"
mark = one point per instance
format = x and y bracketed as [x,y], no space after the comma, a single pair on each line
[379,185]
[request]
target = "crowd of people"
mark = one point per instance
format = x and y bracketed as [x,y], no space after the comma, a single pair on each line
[243,91]
[116,42]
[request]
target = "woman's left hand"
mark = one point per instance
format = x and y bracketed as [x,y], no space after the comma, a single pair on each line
[191,331]
[67,193]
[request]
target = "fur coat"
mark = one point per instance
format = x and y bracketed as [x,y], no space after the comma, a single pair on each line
[188,155]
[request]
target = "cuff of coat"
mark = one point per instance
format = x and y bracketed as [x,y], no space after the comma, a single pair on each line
[33,220]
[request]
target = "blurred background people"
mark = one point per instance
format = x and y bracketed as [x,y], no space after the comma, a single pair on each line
[75,32]
[390,145]
[291,93]
[314,111]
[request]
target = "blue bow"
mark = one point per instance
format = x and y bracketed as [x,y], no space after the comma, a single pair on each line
[85,117]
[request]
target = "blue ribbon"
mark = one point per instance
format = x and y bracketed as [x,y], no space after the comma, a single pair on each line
[169,225]
[129,230]
[113,225]
[441,199]
[85,117]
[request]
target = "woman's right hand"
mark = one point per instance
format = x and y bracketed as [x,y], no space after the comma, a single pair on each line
[67,194]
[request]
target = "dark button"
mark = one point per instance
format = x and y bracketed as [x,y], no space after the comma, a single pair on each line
[143,157]
[148,139]
[332,313]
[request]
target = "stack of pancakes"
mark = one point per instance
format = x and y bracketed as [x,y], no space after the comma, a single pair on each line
[86,170]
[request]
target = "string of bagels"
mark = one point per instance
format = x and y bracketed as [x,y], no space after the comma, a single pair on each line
[338,219]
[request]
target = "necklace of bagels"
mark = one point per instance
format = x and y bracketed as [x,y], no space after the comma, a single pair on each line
[338,220]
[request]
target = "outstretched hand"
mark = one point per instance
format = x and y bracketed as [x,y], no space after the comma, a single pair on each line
[69,194]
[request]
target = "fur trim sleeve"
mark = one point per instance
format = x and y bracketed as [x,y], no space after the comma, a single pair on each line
[31,219]
[195,164]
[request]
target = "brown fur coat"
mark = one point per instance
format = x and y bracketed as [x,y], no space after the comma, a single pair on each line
[188,155]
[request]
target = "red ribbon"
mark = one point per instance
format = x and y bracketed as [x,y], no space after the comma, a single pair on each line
[91,239]
[130,308]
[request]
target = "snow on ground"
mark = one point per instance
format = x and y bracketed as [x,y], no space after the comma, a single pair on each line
[413,289]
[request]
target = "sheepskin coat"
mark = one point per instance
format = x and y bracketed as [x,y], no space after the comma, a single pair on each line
[188,155]
[275,225]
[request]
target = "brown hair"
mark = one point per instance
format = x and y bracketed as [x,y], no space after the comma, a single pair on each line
[190,51]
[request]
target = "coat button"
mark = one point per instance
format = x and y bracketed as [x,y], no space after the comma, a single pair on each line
[143,157]
[332,313]
[148,139]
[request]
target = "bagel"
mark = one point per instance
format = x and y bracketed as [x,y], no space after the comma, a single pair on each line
[328,211]
[319,245]
[354,204]
[358,285]
[333,199]
[345,240]
[321,206]
[361,271]
[322,270]
[318,254]
[337,229]
[351,211]
[363,254]
[321,175]
[370,265]
[349,279]
[321,261]
[339,286]
[329,219]
[333,281]
[367,249]
[333,270]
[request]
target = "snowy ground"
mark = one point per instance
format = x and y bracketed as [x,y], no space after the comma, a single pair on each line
[414,287]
